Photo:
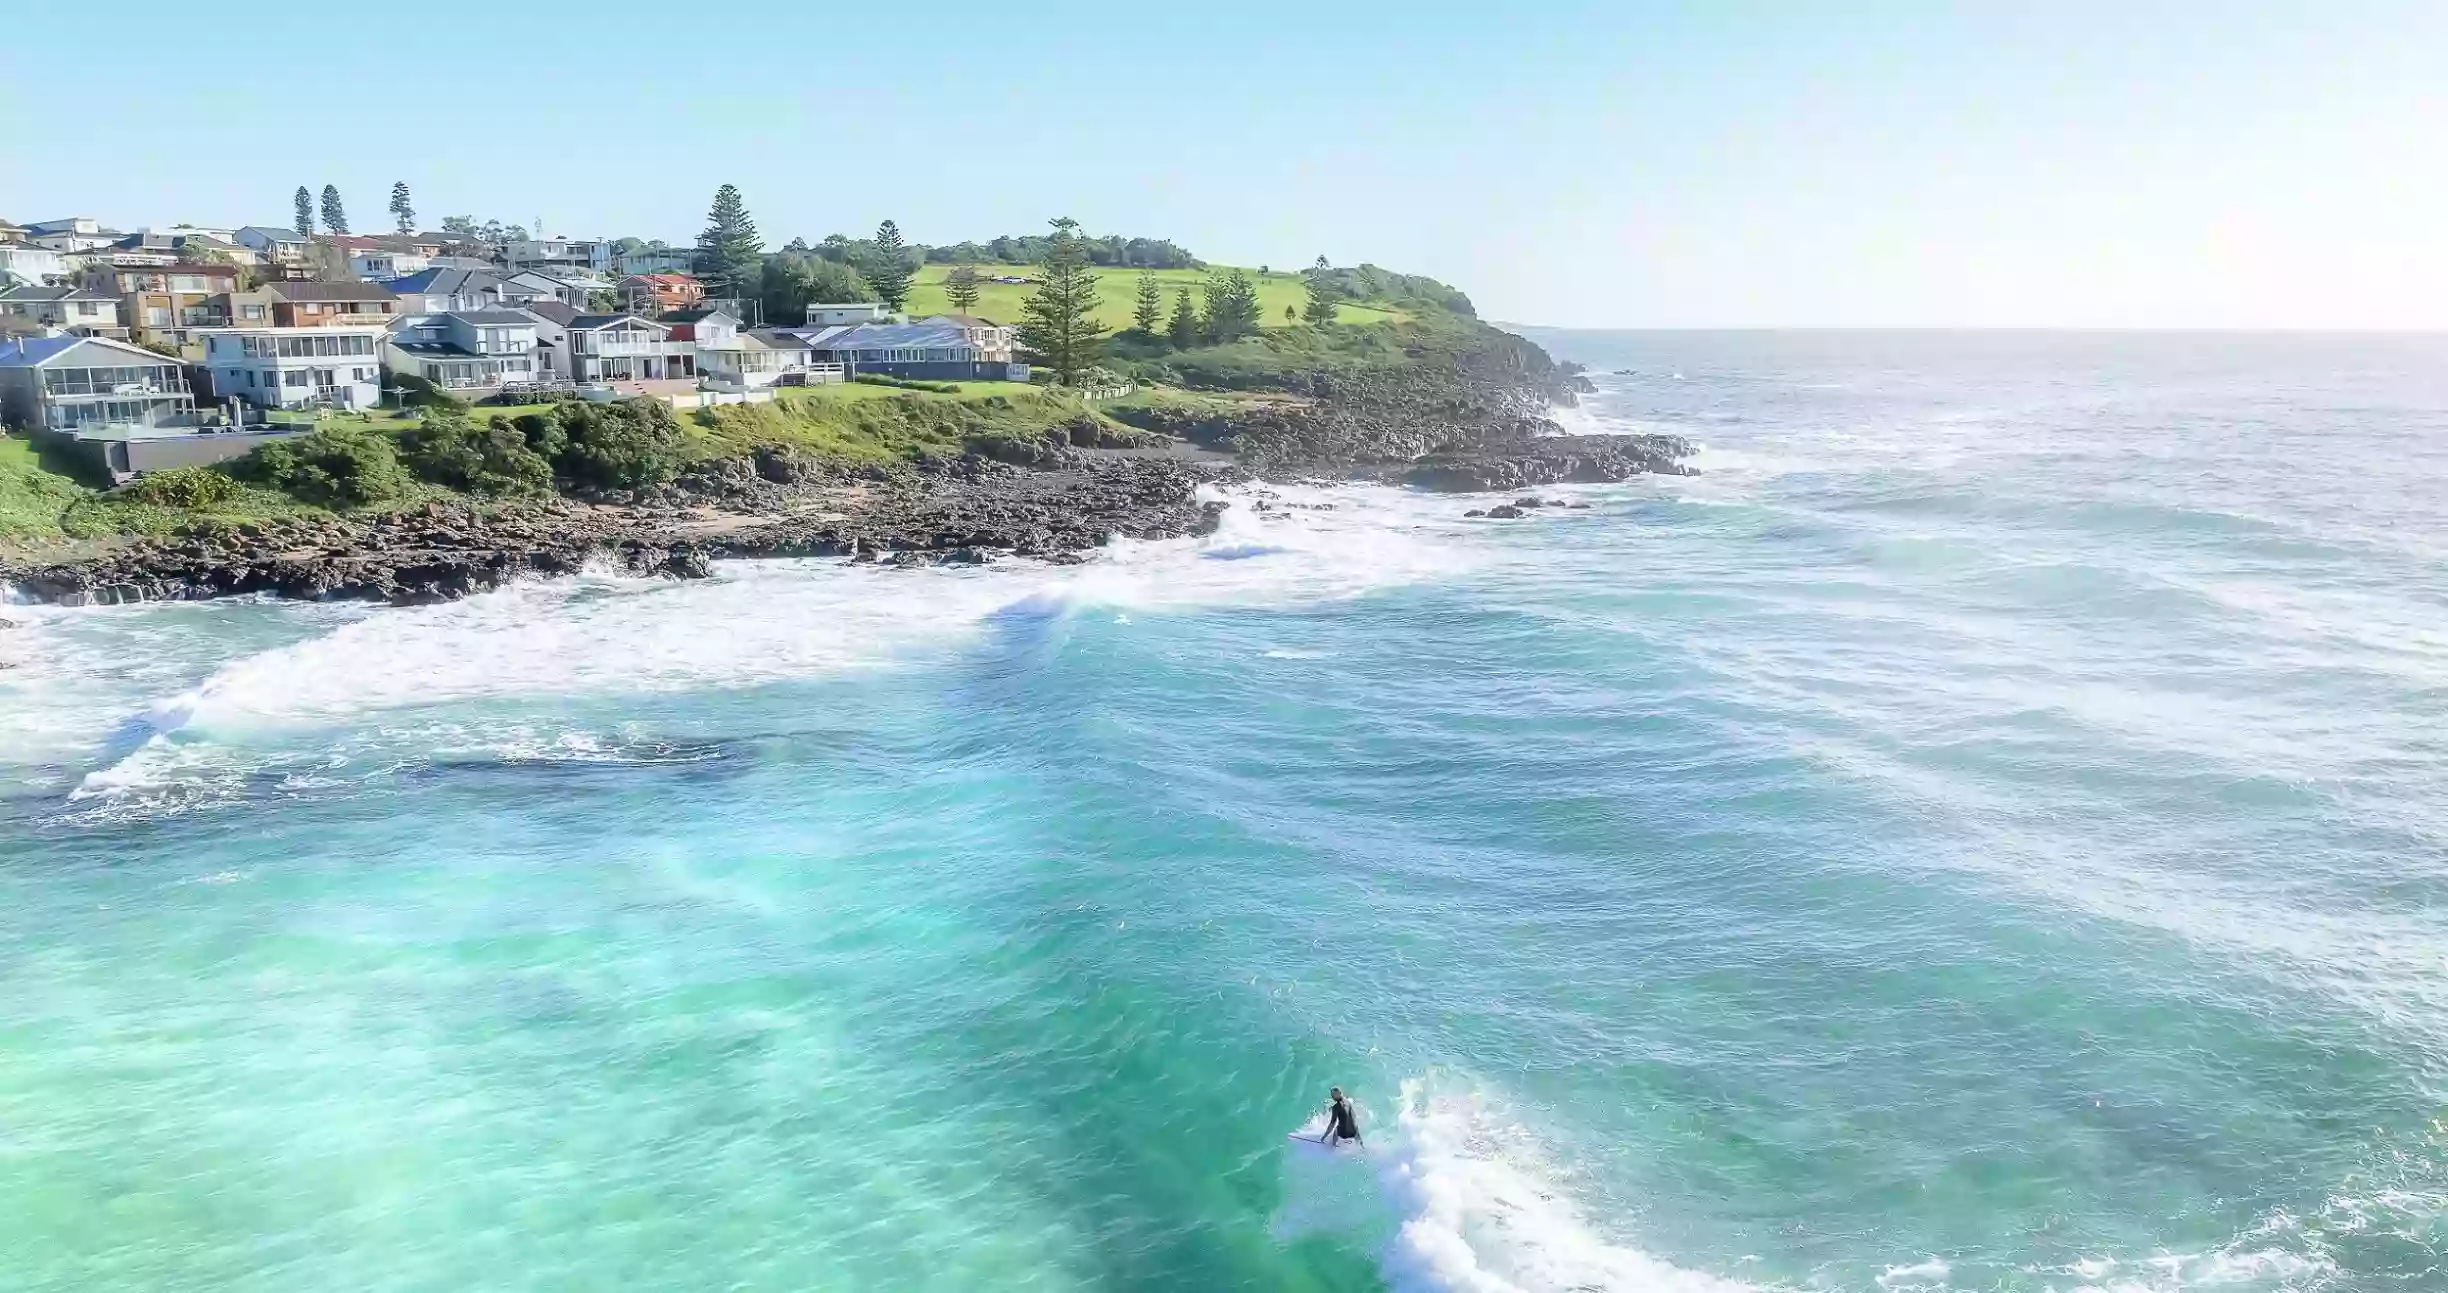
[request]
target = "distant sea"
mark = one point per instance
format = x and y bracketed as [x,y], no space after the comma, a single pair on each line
[1988,831]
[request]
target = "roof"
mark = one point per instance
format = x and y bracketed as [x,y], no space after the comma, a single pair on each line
[434,350]
[310,291]
[698,315]
[592,322]
[557,311]
[961,320]
[277,233]
[491,317]
[39,292]
[895,336]
[444,281]
[775,339]
[33,352]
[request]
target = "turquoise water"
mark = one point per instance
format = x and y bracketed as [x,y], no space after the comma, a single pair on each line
[1987,833]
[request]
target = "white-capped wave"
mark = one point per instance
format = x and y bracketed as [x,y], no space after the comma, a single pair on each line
[1479,1215]
[760,622]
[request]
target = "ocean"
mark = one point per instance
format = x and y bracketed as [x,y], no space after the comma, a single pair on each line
[1988,831]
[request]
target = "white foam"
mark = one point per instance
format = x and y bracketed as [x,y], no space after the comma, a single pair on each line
[1480,1216]
[761,622]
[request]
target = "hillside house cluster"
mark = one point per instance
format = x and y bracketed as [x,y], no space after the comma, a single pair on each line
[162,347]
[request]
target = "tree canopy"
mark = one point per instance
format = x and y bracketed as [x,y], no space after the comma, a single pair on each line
[1058,326]
[889,266]
[729,254]
[335,218]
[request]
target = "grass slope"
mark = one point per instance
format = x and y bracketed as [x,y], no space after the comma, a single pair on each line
[1115,290]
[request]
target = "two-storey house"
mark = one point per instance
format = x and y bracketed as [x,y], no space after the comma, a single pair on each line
[465,350]
[273,244]
[310,305]
[654,294]
[79,310]
[162,304]
[70,384]
[330,365]
[627,348]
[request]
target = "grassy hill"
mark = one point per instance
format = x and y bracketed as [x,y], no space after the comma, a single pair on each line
[1001,301]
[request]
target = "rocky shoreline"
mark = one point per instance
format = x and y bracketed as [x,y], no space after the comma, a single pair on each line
[971,510]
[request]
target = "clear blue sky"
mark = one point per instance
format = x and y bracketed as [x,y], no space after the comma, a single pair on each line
[2070,163]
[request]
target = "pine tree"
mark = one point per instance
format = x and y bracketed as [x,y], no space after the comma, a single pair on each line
[961,288]
[1147,309]
[1058,325]
[402,211]
[1324,293]
[1232,307]
[729,255]
[335,219]
[305,211]
[1183,328]
[889,268]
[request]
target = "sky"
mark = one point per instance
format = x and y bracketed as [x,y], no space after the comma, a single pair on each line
[1733,164]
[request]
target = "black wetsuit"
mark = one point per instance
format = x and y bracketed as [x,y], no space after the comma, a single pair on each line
[1341,1122]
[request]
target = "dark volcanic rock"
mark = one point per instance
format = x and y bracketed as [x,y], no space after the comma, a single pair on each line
[1504,512]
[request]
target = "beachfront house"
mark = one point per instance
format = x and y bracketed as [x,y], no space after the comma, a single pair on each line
[759,358]
[927,351]
[23,262]
[552,348]
[327,365]
[627,348]
[79,310]
[465,350]
[69,383]
[164,304]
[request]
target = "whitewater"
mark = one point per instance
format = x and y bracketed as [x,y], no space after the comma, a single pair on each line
[1984,832]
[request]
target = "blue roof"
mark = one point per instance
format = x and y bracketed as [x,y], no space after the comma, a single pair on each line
[29,351]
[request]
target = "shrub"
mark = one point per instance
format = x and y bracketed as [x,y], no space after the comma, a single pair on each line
[195,488]
[492,459]
[417,393]
[631,444]
[334,467]
[907,384]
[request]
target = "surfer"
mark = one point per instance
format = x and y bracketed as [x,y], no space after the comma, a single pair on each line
[1342,1121]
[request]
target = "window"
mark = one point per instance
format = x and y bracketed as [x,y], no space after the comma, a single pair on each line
[294,377]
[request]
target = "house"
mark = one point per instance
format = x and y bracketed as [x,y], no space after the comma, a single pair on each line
[12,232]
[826,316]
[23,262]
[465,350]
[442,290]
[627,348]
[69,384]
[654,260]
[136,250]
[656,293]
[74,234]
[325,366]
[530,285]
[82,311]
[376,264]
[273,244]
[245,309]
[552,323]
[932,351]
[161,303]
[759,358]
[553,255]
[703,325]
[311,305]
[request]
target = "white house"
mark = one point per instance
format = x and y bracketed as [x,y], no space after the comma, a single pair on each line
[23,262]
[552,348]
[626,348]
[273,244]
[74,234]
[376,265]
[290,368]
[825,316]
[441,290]
[465,350]
[71,309]
[759,359]
[75,384]
[554,254]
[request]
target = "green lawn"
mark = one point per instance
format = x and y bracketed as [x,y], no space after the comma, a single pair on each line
[1116,289]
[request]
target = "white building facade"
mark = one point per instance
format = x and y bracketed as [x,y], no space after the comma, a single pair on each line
[296,368]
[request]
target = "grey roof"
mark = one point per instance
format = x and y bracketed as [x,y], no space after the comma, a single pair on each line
[697,315]
[445,282]
[435,350]
[491,317]
[41,292]
[776,339]
[892,336]
[961,320]
[557,311]
[313,291]
[275,232]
